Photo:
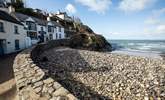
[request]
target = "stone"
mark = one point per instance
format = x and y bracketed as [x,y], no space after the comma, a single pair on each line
[20,76]
[38,89]
[59,98]
[146,98]
[34,80]
[51,90]
[37,84]
[56,85]
[49,80]
[71,97]
[21,80]
[36,68]
[46,95]
[61,92]
[45,89]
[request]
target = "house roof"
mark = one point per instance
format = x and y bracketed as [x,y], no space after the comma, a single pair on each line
[7,17]
[23,17]
[57,24]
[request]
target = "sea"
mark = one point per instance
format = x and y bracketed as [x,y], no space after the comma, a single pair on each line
[145,48]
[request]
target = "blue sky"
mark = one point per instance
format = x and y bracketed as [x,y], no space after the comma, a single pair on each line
[115,19]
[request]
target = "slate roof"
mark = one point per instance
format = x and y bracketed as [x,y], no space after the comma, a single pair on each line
[7,17]
[23,17]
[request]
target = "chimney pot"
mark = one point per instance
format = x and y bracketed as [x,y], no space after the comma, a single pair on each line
[11,9]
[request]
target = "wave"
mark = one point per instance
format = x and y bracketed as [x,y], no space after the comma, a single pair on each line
[139,46]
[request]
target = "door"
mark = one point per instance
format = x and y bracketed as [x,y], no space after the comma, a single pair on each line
[17,45]
[2,45]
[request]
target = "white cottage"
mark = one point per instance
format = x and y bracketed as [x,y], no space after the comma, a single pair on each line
[55,30]
[12,34]
[40,30]
[30,26]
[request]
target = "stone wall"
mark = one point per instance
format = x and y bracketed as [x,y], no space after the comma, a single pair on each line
[32,82]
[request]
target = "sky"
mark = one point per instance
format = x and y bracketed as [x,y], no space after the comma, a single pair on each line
[114,19]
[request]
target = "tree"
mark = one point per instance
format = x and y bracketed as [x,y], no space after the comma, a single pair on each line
[17,4]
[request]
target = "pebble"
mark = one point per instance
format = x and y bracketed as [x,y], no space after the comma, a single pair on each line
[89,74]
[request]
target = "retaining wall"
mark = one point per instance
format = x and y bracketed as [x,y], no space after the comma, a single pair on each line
[32,82]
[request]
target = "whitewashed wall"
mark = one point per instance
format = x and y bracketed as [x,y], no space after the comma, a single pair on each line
[10,36]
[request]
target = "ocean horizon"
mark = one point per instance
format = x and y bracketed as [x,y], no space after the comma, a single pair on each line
[146,48]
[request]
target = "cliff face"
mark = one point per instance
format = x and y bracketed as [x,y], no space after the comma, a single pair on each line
[87,39]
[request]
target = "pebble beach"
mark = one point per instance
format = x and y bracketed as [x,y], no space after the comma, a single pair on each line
[93,75]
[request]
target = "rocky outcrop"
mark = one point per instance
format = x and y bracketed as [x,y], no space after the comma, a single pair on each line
[90,42]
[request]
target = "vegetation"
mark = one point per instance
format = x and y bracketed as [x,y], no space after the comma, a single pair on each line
[18,4]
[30,12]
[84,37]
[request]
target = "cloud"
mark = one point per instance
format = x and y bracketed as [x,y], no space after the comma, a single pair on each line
[156,22]
[154,18]
[160,29]
[134,5]
[156,30]
[70,8]
[159,12]
[100,6]
[152,21]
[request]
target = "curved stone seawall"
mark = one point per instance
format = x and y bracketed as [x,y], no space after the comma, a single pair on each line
[34,83]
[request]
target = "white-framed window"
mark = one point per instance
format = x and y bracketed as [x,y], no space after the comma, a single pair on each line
[50,28]
[1,27]
[59,29]
[16,29]
[31,25]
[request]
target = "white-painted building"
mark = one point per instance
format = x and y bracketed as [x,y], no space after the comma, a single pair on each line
[64,16]
[12,34]
[19,31]
[40,30]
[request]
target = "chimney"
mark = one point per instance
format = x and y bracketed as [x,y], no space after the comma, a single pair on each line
[11,9]
[58,21]
[49,17]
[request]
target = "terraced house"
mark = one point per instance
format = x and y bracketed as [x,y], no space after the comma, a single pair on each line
[19,31]
[40,30]
[12,34]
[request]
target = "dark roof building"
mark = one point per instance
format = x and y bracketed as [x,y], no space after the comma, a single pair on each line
[23,17]
[7,17]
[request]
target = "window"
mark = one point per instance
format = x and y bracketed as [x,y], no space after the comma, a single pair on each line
[50,28]
[50,36]
[59,29]
[42,29]
[56,35]
[1,27]
[16,29]
[17,45]
[59,36]
[32,35]
[31,26]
